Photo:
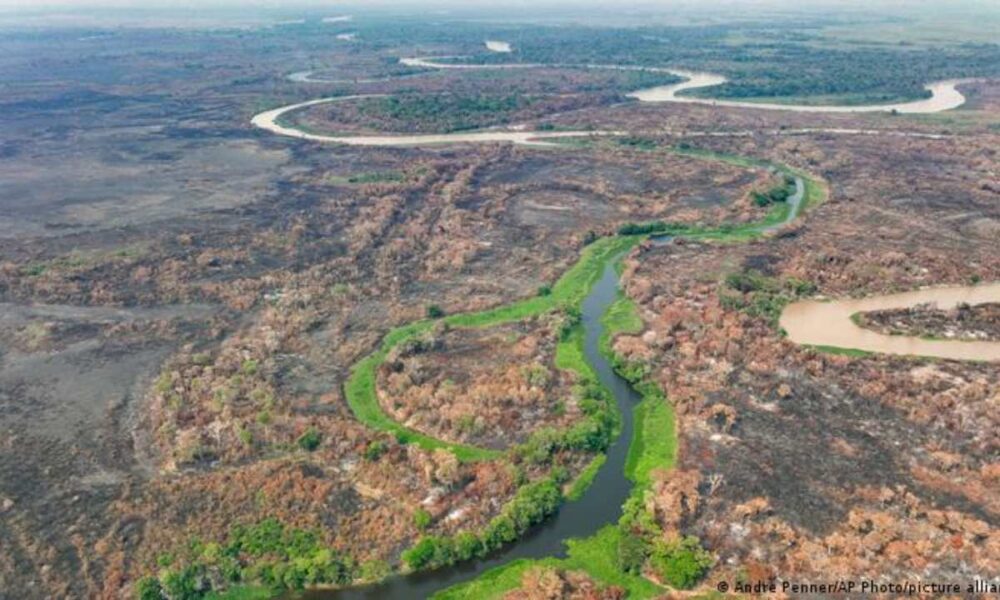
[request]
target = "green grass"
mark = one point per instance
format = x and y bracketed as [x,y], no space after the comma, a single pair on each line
[242,592]
[493,583]
[368,177]
[654,442]
[596,555]
[853,352]
[621,317]
[570,356]
[585,478]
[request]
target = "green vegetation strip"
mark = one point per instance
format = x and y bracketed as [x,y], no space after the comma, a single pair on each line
[585,478]
[568,291]
[853,352]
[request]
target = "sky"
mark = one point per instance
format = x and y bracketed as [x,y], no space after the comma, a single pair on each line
[189,12]
[31,5]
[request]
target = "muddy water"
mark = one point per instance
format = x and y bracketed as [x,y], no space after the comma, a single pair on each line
[829,323]
[599,506]
[944,96]
[269,120]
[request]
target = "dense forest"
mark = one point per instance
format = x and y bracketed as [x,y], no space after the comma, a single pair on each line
[763,62]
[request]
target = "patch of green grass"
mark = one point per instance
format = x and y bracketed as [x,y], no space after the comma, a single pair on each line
[654,441]
[622,316]
[853,352]
[493,583]
[368,177]
[570,357]
[598,556]
[242,592]
[595,555]
[585,478]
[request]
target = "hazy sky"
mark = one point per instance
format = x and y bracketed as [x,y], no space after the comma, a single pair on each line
[183,11]
[335,4]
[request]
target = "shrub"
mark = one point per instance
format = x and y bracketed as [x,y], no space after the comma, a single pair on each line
[421,518]
[374,570]
[468,545]
[544,290]
[148,588]
[375,450]
[309,440]
[571,317]
[185,584]
[681,562]
[246,436]
[429,552]
[434,311]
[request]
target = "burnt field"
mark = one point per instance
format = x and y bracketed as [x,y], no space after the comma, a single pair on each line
[183,297]
[901,474]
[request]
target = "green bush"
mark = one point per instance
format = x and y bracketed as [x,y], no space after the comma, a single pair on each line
[434,311]
[429,552]
[148,588]
[468,545]
[681,562]
[184,584]
[309,440]
[653,227]
[374,570]
[544,290]
[421,518]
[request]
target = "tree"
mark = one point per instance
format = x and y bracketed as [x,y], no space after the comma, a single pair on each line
[632,550]
[681,562]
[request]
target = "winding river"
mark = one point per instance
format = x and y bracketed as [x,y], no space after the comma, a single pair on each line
[828,323]
[944,96]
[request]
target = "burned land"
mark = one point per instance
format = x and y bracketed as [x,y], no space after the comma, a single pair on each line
[205,360]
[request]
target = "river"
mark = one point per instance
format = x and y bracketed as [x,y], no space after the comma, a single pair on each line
[828,323]
[944,96]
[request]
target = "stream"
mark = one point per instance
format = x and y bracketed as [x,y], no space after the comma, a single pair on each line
[600,505]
